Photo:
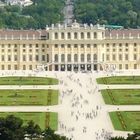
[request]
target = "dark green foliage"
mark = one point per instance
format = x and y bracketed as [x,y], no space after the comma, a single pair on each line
[117,138]
[113,12]
[135,136]
[39,14]
[12,128]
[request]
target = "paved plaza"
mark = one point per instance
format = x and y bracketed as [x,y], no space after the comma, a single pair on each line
[82,112]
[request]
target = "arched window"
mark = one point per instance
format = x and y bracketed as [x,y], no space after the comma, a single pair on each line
[88,35]
[56,57]
[62,35]
[82,58]
[95,57]
[82,35]
[56,35]
[75,35]
[69,35]
[69,57]
[75,57]
[62,58]
[48,58]
[88,57]
[95,35]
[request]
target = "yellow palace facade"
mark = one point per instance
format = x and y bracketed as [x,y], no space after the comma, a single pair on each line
[70,48]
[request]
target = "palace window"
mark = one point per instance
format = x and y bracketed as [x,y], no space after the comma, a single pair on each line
[126,66]
[120,57]
[95,57]
[135,44]
[69,35]
[30,45]
[62,35]
[2,58]
[24,67]
[9,45]
[82,35]
[75,45]
[30,67]
[48,58]
[56,35]
[37,58]
[24,45]
[107,57]
[9,57]
[15,67]
[15,57]
[75,35]
[62,45]
[88,35]
[120,66]
[2,67]
[82,45]
[95,35]
[126,56]
[88,57]
[43,57]
[30,57]
[62,57]
[88,45]
[114,57]
[135,66]
[24,57]
[114,44]
[82,58]
[135,56]
[69,46]
[75,57]
[9,67]
[36,45]
[95,45]
[69,57]
[56,57]
[56,45]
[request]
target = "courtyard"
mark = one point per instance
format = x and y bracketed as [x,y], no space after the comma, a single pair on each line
[82,112]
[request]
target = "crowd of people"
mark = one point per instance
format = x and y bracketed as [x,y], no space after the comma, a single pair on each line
[81,109]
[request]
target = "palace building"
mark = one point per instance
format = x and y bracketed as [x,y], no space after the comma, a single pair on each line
[72,47]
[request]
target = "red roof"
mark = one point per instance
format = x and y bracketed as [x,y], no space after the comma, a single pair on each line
[123,32]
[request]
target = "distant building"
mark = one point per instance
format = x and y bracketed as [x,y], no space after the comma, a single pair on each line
[22,3]
[70,48]
[2,4]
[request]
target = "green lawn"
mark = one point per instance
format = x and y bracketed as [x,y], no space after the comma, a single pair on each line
[128,118]
[27,81]
[121,96]
[38,118]
[28,97]
[119,80]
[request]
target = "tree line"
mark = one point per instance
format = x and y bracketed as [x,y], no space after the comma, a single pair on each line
[35,16]
[110,12]
[13,128]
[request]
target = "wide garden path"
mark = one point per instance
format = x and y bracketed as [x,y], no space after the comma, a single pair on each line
[82,111]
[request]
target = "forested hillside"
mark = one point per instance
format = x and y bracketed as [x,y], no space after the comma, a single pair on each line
[39,14]
[116,12]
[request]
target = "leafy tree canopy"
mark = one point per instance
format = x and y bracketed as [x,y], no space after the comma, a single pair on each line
[12,128]
[39,14]
[113,12]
